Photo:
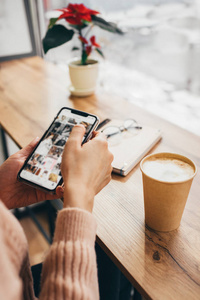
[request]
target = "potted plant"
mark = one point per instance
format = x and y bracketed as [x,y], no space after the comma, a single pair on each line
[79,22]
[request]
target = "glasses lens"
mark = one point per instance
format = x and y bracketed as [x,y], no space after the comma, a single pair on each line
[113,135]
[110,131]
[130,123]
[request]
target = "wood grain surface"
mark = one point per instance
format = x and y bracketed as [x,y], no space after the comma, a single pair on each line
[160,265]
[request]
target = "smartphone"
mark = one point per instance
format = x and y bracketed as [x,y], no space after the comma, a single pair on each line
[42,168]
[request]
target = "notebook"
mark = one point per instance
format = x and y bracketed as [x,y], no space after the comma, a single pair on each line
[129,149]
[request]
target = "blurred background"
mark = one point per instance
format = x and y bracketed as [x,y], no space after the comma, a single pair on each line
[155,64]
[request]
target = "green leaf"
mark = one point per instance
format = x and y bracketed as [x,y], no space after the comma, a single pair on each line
[52,22]
[56,36]
[105,25]
[100,52]
[78,27]
[75,48]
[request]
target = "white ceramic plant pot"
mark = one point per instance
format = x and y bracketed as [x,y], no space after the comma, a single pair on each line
[83,77]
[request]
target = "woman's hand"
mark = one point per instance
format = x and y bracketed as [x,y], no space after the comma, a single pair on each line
[14,193]
[86,168]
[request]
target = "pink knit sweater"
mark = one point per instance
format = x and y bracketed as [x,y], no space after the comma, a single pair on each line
[69,270]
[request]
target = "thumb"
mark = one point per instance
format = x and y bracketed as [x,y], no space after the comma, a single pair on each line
[29,148]
[76,136]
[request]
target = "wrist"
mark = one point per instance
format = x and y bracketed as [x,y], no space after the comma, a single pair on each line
[78,196]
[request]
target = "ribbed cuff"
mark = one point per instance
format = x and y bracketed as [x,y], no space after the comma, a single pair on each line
[74,224]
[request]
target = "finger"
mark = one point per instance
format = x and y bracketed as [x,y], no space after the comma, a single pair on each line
[76,136]
[100,135]
[29,148]
[60,191]
[94,133]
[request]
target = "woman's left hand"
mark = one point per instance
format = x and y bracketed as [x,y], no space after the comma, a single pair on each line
[15,193]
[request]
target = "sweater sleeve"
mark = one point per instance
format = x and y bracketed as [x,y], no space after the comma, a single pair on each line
[70,269]
[15,274]
[8,275]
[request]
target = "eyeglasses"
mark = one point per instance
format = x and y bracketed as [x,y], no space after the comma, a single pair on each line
[114,133]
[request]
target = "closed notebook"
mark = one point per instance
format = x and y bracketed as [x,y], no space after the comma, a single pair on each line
[129,146]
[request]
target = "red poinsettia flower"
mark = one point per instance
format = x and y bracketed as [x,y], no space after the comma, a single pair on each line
[93,42]
[83,40]
[75,13]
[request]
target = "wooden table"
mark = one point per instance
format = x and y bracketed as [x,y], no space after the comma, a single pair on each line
[160,265]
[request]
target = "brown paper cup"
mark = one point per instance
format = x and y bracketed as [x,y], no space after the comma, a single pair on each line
[164,202]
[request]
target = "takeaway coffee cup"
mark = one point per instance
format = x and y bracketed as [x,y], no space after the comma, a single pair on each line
[167,178]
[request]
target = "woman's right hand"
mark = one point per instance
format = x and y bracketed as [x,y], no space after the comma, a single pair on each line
[86,168]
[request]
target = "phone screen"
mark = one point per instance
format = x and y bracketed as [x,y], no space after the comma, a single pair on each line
[43,166]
